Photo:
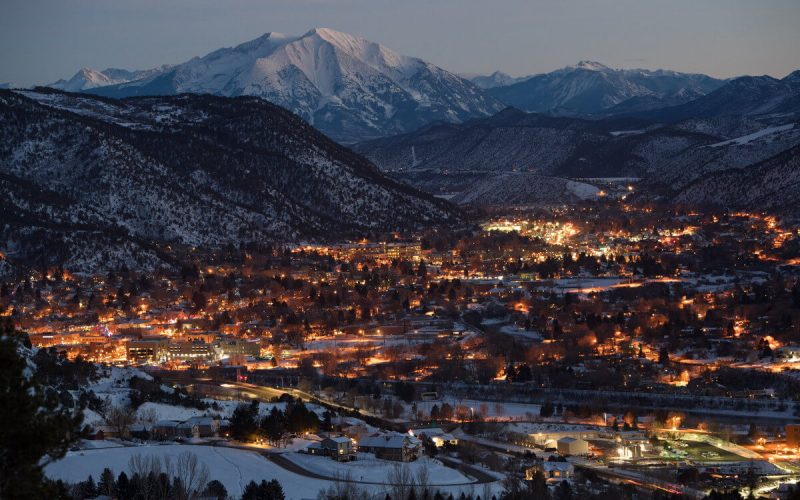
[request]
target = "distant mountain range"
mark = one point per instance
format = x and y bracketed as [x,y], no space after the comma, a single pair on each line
[354,90]
[708,137]
[590,88]
[347,87]
[445,133]
[96,183]
[496,79]
[87,79]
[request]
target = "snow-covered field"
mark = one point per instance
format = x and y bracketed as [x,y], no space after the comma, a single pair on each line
[372,470]
[234,468]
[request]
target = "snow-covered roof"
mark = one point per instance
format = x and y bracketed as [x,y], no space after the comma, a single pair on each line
[200,420]
[340,439]
[557,466]
[387,441]
[166,423]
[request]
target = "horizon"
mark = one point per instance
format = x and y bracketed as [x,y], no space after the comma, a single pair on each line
[753,40]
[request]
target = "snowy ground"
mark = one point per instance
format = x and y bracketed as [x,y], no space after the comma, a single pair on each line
[234,468]
[113,385]
[746,139]
[163,411]
[372,470]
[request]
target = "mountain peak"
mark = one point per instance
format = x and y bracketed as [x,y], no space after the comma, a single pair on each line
[794,76]
[335,37]
[591,66]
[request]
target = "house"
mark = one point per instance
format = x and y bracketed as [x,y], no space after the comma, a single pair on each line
[398,447]
[109,431]
[184,429]
[553,471]
[165,429]
[438,436]
[572,446]
[339,448]
[139,431]
[203,426]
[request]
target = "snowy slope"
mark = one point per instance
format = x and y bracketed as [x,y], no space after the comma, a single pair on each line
[452,158]
[773,185]
[233,468]
[100,183]
[346,86]
[524,188]
[496,79]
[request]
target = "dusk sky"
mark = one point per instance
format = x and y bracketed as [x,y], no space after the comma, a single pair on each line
[43,40]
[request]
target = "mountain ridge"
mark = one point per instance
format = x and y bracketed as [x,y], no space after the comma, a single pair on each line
[346,86]
[589,88]
[95,182]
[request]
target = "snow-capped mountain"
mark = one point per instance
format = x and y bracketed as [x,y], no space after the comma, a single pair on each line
[743,96]
[95,183]
[87,78]
[346,86]
[496,79]
[591,88]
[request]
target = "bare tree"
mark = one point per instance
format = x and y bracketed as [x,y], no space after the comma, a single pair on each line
[120,418]
[192,476]
[423,481]
[147,416]
[146,466]
[343,487]
[401,481]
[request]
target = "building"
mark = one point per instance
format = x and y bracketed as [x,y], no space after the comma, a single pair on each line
[631,445]
[793,436]
[165,429]
[147,350]
[549,440]
[553,471]
[191,351]
[398,447]
[339,448]
[438,436]
[139,431]
[238,347]
[572,446]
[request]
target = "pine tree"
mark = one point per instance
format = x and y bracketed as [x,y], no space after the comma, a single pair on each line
[106,484]
[37,427]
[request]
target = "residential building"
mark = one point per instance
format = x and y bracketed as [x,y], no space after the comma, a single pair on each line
[339,448]
[399,447]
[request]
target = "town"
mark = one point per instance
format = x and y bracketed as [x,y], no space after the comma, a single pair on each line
[611,348]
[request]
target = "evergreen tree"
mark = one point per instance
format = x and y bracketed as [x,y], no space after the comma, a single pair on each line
[106,484]
[33,425]
[217,490]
